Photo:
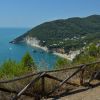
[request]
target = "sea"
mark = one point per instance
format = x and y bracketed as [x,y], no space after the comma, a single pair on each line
[15,52]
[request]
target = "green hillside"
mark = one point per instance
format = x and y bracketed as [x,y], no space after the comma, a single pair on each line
[72,33]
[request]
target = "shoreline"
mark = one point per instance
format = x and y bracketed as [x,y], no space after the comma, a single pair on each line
[40,47]
[65,56]
[70,56]
[35,43]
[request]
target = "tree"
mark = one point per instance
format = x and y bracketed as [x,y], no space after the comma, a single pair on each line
[27,60]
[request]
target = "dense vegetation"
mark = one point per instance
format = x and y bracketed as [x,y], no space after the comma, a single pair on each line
[72,33]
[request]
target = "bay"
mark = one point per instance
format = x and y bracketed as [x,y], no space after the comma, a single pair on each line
[16,51]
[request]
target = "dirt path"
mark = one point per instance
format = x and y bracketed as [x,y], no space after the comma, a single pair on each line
[90,94]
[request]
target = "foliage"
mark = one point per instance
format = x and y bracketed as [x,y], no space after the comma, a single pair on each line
[62,63]
[93,50]
[89,54]
[27,60]
[11,69]
[83,59]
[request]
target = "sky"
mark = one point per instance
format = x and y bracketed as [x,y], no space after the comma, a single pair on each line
[30,13]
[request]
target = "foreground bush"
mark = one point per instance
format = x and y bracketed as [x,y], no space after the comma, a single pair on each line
[10,68]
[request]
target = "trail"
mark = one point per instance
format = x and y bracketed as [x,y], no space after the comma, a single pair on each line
[90,94]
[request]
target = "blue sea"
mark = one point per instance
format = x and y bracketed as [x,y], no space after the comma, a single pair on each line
[16,51]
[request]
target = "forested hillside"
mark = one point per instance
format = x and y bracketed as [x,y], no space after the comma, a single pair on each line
[69,34]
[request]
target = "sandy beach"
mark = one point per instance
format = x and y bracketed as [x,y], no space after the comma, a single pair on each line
[70,56]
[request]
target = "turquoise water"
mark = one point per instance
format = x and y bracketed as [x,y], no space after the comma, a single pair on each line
[16,51]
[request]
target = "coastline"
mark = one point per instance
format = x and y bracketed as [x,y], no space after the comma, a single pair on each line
[40,47]
[35,43]
[65,56]
[70,56]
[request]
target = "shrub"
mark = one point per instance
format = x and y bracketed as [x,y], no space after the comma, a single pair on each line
[62,63]
[11,69]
